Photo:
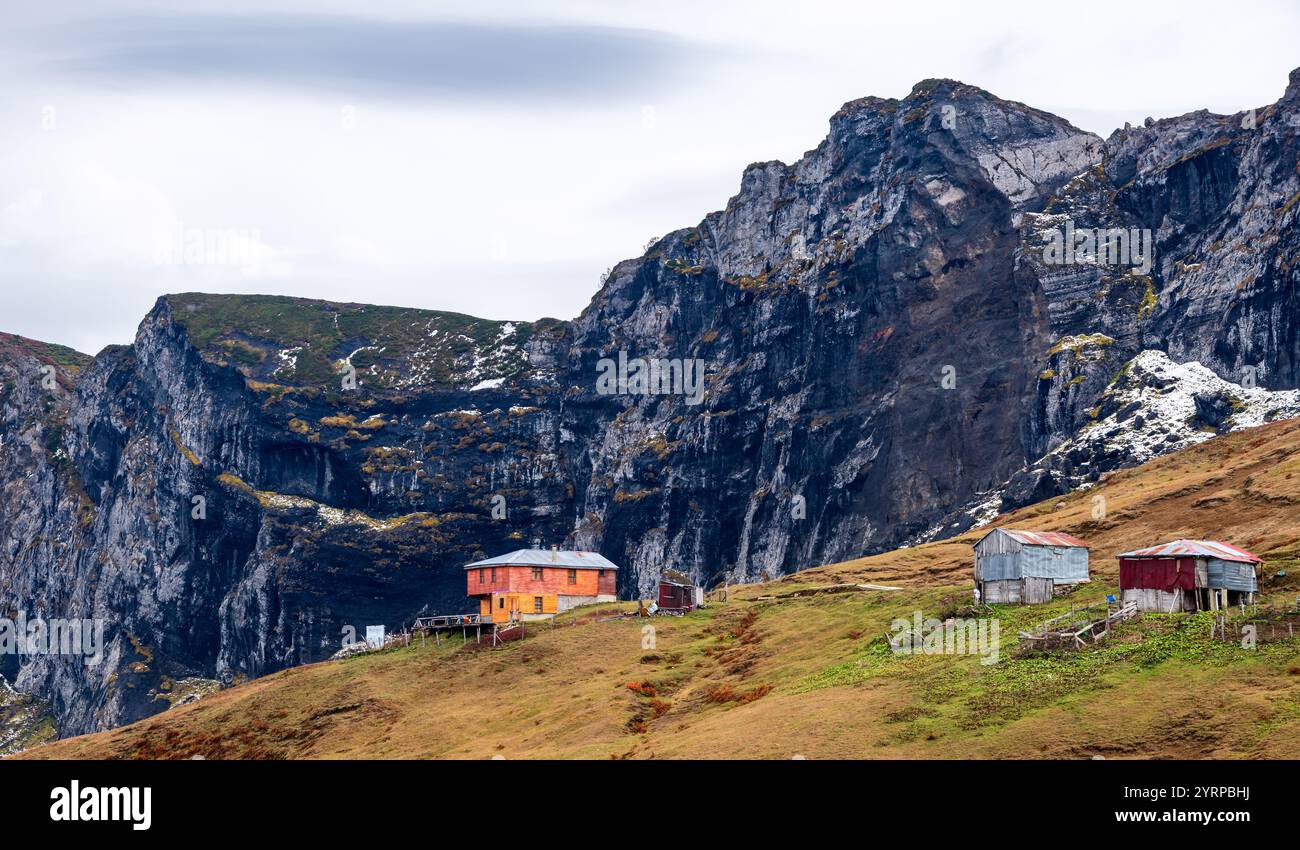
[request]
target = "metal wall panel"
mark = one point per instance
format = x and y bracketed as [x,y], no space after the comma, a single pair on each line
[997,542]
[997,567]
[1232,575]
[1062,565]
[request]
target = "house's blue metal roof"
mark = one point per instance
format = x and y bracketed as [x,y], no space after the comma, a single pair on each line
[547,558]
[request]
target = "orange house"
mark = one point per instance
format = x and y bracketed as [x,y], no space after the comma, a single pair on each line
[534,584]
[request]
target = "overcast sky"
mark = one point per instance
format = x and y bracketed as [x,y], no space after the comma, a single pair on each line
[494,158]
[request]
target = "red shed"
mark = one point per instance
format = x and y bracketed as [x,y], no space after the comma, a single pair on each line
[678,593]
[1187,575]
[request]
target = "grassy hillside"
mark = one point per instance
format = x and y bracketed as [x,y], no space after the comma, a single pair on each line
[67,362]
[66,359]
[301,341]
[800,666]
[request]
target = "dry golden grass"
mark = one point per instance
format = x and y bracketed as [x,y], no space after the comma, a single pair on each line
[780,676]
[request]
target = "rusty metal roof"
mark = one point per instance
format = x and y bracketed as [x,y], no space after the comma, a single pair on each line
[1196,549]
[547,558]
[1042,538]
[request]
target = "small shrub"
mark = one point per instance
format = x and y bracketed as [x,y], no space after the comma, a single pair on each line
[721,693]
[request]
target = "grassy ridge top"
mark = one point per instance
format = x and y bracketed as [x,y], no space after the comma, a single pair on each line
[304,341]
[66,359]
[800,666]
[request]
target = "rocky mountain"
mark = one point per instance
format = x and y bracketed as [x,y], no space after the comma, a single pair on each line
[954,304]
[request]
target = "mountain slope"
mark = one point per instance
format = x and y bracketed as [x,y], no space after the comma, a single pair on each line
[783,670]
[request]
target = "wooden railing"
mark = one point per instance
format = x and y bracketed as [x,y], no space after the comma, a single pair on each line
[1079,626]
[449,621]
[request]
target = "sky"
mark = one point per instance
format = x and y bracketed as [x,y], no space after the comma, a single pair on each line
[489,157]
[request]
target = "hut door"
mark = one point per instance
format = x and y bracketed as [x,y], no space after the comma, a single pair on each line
[1038,590]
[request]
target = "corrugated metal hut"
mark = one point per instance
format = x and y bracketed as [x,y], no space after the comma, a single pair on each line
[678,593]
[1188,575]
[1026,567]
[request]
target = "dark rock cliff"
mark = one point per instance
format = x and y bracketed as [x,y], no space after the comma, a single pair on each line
[887,354]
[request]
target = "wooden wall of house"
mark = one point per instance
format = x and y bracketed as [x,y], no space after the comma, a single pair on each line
[1006,592]
[675,596]
[1036,591]
[554,580]
[497,606]
[1155,599]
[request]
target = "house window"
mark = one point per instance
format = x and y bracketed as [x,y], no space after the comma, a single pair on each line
[537,573]
[573,576]
[482,576]
[602,573]
[494,575]
[501,602]
[537,604]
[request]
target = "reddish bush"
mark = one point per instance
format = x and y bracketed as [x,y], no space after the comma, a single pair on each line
[726,693]
[721,693]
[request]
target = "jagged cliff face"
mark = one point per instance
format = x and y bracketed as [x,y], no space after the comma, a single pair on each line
[228,506]
[866,336]
[888,353]
[1218,195]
